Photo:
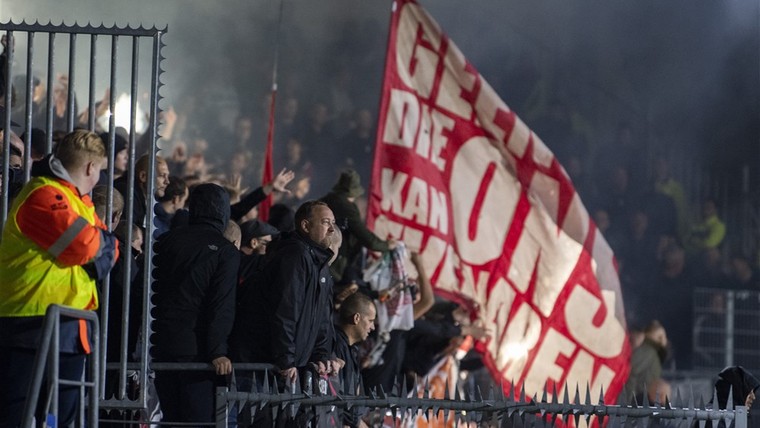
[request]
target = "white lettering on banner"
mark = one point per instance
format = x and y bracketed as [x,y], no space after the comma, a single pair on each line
[402,119]
[523,333]
[544,367]
[455,82]
[423,204]
[481,225]
[417,62]
[605,340]
[412,125]
[516,249]
[392,184]
[431,141]
[549,252]
[583,369]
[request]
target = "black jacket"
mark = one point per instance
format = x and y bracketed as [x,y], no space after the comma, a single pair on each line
[285,317]
[196,276]
[350,374]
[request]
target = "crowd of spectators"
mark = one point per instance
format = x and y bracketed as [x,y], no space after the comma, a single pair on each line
[287,278]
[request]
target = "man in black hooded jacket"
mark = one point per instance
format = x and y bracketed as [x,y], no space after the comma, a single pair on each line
[196,276]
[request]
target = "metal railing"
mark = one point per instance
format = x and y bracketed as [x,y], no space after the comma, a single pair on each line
[48,357]
[726,329]
[403,406]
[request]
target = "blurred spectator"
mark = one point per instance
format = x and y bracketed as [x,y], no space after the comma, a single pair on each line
[174,199]
[232,233]
[281,217]
[646,368]
[666,185]
[356,235]
[671,302]
[709,232]
[743,274]
[99,199]
[141,199]
[355,149]
[256,237]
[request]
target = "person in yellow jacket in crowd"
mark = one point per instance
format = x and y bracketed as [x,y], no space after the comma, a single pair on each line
[54,248]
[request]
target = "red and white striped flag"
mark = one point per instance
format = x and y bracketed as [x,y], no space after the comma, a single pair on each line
[459,177]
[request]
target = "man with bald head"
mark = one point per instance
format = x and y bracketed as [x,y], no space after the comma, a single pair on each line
[287,319]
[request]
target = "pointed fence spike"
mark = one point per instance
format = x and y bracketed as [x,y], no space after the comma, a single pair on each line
[446,393]
[544,394]
[522,393]
[588,394]
[701,402]
[677,402]
[729,403]
[645,401]
[266,382]
[404,389]
[555,398]
[577,399]
[691,398]
[566,397]
[601,396]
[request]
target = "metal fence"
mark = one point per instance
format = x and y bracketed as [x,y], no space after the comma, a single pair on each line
[726,329]
[93,58]
[411,406]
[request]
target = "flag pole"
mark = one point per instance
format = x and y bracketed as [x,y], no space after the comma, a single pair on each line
[268,172]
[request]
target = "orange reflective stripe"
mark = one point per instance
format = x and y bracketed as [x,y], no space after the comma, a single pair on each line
[84,337]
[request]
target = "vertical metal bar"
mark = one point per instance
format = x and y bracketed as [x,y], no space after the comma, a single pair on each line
[730,309]
[29,105]
[127,291]
[33,392]
[222,410]
[50,85]
[91,101]
[82,398]
[148,271]
[105,306]
[55,361]
[7,125]
[94,373]
[70,101]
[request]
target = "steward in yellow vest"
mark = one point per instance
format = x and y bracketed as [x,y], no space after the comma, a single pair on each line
[54,248]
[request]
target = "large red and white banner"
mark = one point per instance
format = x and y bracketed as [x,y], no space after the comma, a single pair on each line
[460,178]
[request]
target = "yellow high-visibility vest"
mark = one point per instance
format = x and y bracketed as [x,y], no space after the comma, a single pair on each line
[30,277]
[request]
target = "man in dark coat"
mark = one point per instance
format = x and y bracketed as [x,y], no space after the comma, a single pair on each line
[341,201]
[356,321]
[196,275]
[288,316]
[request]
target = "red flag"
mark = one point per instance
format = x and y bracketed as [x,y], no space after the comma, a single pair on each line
[459,177]
[268,174]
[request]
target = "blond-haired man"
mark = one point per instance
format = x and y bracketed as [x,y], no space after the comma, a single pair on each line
[54,249]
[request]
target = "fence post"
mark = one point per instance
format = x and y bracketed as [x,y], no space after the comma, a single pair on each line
[222,409]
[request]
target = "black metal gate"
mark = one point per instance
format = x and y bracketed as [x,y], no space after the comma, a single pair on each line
[69,63]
